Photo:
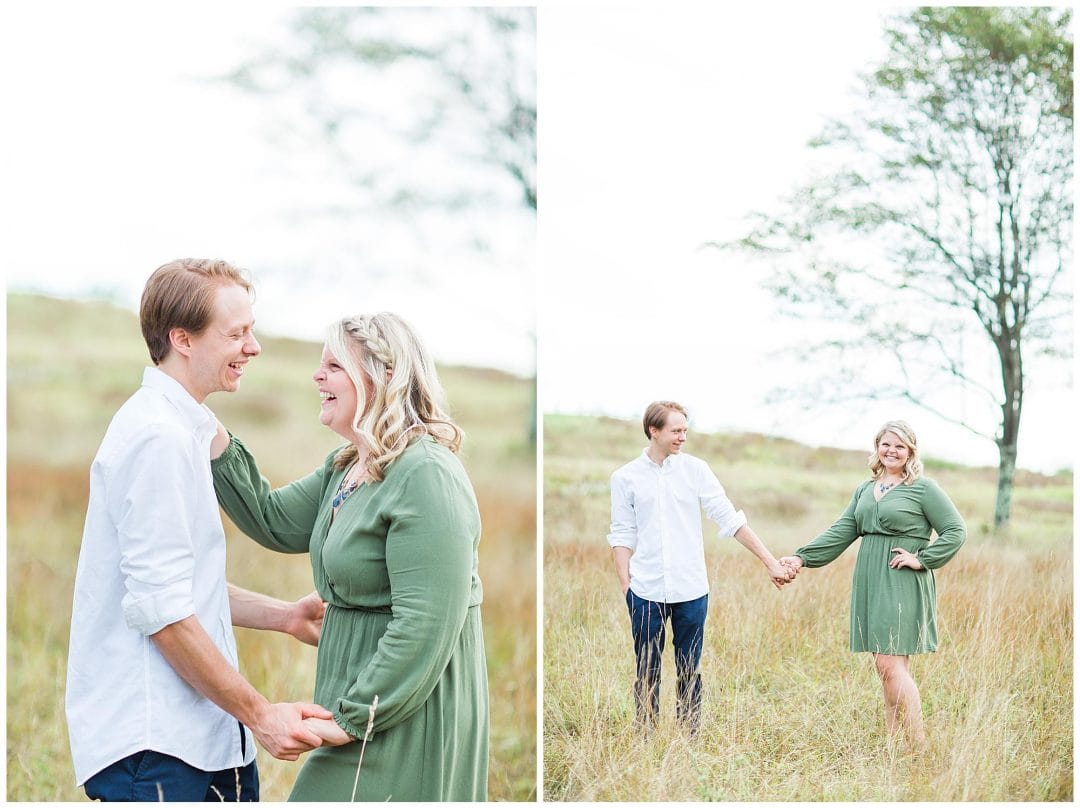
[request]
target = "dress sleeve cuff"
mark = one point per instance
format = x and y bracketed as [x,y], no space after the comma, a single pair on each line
[148,614]
[353,732]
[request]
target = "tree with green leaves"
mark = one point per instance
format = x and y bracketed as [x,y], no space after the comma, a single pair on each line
[935,244]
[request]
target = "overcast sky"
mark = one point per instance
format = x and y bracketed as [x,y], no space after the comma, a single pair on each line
[662,128]
[119,155]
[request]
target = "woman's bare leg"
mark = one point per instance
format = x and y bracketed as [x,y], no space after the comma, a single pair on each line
[901,696]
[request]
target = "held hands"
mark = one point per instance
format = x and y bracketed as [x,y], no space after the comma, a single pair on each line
[306,618]
[781,572]
[904,559]
[793,563]
[789,566]
[282,729]
[329,731]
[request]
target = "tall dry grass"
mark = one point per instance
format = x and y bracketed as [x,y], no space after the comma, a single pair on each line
[70,365]
[789,712]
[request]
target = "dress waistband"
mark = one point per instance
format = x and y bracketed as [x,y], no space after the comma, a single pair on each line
[895,537]
[375,609]
[352,608]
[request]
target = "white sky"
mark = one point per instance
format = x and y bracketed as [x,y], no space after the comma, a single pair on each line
[661,129]
[118,158]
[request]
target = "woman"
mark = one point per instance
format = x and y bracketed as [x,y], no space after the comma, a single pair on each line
[391,524]
[893,600]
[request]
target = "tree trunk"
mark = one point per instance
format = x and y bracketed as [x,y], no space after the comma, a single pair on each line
[1006,472]
[1013,379]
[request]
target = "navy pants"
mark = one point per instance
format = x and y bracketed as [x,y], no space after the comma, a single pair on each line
[648,619]
[150,776]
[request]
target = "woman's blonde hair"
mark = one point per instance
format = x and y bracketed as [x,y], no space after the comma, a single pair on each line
[913,468]
[398,395]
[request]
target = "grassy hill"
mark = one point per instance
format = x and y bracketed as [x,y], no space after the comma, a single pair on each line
[70,366]
[789,713]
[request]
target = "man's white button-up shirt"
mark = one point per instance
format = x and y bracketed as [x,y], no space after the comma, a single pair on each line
[656,512]
[153,553]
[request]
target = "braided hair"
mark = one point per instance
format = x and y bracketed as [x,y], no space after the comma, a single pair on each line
[398,394]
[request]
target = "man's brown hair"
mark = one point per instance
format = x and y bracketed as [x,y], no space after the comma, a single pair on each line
[180,294]
[656,415]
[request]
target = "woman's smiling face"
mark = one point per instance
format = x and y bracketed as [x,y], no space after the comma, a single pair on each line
[893,453]
[338,408]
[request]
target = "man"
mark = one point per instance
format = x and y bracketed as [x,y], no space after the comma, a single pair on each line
[659,556]
[156,707]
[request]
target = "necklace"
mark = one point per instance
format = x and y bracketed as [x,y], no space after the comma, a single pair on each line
[344,491]
[882,487]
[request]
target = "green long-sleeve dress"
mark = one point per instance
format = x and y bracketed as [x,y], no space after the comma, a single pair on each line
[398,569]
[893,610]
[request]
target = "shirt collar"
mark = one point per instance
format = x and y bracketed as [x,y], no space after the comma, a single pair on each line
[669,461]
[198,416]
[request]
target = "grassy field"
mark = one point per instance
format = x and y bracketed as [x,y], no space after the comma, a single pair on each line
[71,365]
[790,714]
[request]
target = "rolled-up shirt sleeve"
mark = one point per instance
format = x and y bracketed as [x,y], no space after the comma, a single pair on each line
[717,506]
[623,521]
[151,509]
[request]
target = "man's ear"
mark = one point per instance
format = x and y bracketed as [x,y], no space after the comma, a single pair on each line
[180,341]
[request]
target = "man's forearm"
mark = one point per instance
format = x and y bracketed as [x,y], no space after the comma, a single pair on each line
[278,727]
[188,648]
[301,619]
[746,536]
[255,610]
[622,565]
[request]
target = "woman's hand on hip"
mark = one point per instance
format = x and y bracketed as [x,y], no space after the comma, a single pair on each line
[904,559]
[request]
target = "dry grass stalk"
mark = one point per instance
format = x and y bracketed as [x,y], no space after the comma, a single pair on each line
[363,745]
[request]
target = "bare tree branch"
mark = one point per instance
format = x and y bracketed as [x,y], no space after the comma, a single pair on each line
[958,177]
